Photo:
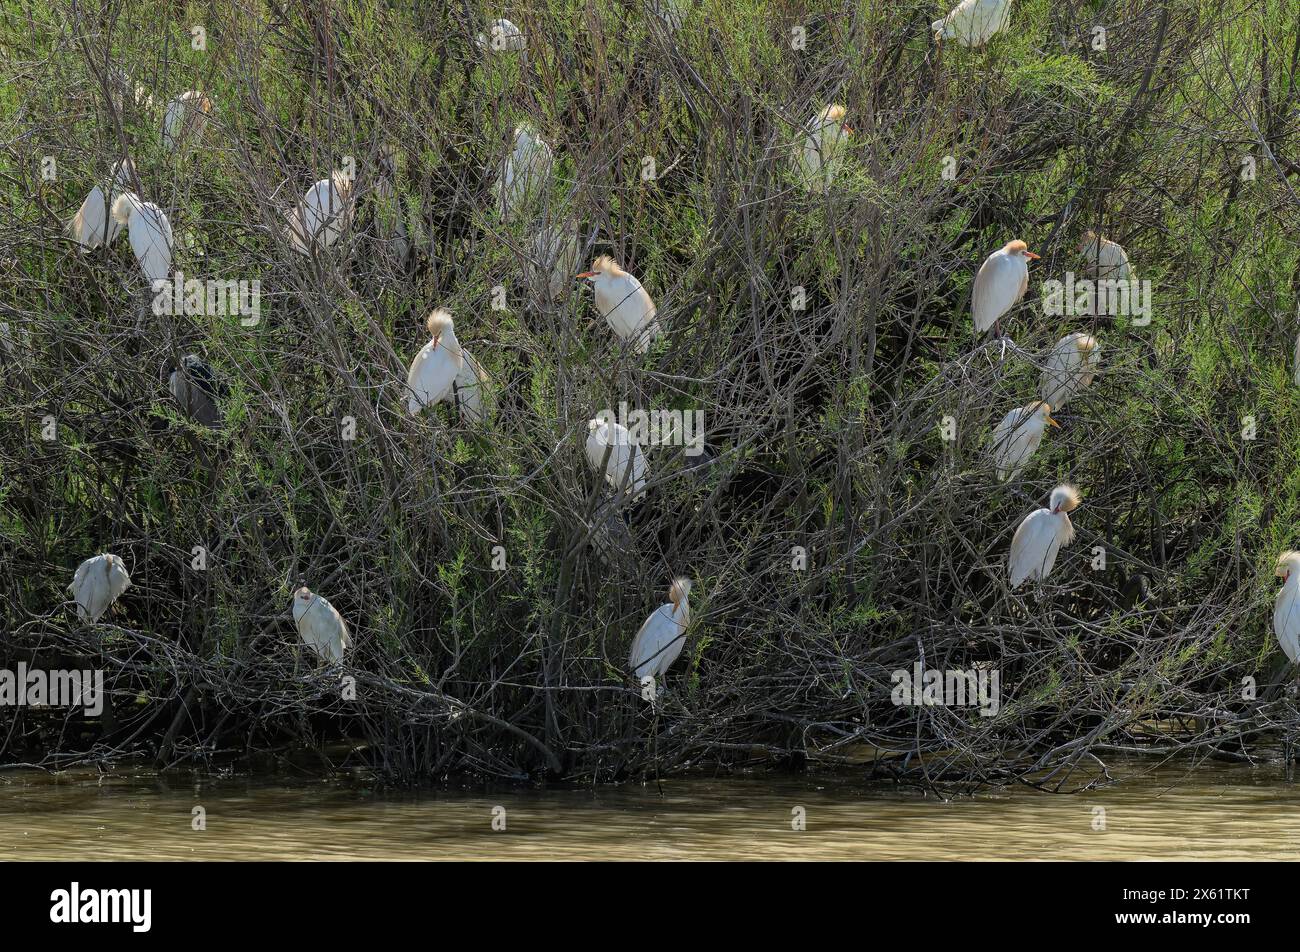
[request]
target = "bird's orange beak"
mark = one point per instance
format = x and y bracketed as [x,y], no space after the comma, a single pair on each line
[585,274]
[436,339]
[1031,256]
[1051,422]
[848,130]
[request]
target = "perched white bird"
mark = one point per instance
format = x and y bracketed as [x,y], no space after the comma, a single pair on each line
[1070,368]
[322,628]
[1041,536]
[324,213]
[1017,437]
[437,366]
[626,465]
[624,303]
[973,22]
[662,636]
[150,233]
[526,172]
[822,142]
[185,115]
[1000,284]
[469,387]
[88,226]
[1108,265]
[1286,609]
[502,36]
[553,257]
[98,583]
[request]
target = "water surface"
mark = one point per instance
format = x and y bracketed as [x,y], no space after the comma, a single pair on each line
[1211,811]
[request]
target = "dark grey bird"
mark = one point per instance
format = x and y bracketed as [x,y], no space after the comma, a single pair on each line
[196,389]
[1135,590]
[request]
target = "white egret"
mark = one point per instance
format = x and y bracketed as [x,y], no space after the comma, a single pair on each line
[150,233]
[1070,368]
[324,213]
[973,22]
[822,142]
[98,583]
[1000,284]
[1286,607]
[662,636]
[502,36]
[626,466]
[624,302]
[526,172]
[196,390]
[185,115]
[437,366]
[469,387]
[322,628]
[93,226]
[553,256]
[1109,267]
[1017,437]
[1041,536]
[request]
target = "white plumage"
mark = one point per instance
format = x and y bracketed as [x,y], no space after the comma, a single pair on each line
[526,172]
[624,302]
[472,383]
[1000,284]
[822,143]
[1069,369]
[98,583]
[324,213]
[150,233]
[663,635]
[1286,609]
[553,258]
[321,627]
[1041,536]
[627,464]
[437,366]
[185,114]
[502,36]
[93,225]
[974,22]
[1107,264]
[1016,438]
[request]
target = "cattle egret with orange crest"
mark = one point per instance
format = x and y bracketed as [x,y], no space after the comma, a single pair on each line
[999,286]
[624,302]
[1042,534]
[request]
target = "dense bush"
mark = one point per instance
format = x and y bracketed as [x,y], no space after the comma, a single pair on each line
[822,423]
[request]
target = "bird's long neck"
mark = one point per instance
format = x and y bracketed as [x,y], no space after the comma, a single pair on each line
[681,613]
